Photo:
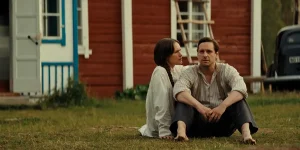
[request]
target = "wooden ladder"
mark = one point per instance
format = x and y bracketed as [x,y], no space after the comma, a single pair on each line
[180,22]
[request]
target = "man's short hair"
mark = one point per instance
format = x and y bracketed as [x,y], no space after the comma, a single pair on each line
[208,39]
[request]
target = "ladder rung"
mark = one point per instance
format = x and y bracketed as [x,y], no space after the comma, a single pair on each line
[199,1]
[193,41]
[196,21]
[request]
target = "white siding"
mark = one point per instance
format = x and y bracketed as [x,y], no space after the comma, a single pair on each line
[57,52]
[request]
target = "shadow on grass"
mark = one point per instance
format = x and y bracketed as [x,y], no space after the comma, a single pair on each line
[20,107]
[265,102]
[22,121]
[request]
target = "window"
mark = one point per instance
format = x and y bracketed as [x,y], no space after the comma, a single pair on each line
[79,12]
[189,11]
[83,30]
[53,21]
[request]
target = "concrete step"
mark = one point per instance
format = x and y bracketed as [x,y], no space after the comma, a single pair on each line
[16,100]
[9,94]
[4,30]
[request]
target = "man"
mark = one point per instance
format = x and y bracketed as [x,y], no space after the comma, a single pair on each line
[211,99]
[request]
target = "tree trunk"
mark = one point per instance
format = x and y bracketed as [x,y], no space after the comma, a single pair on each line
[297,9]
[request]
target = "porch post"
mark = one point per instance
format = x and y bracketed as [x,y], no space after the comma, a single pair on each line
[256,42]
[127,46]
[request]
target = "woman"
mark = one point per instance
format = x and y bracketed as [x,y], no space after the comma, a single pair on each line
[159,100]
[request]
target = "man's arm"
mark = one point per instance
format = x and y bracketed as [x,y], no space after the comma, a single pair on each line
[238,92]
[237,84]
[182,91]
[233,97]
[187,98]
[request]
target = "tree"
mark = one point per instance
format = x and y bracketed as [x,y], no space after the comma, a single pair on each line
[288,10]
[271,23]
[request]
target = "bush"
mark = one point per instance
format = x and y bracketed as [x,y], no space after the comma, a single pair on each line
[73,95]
[137,93]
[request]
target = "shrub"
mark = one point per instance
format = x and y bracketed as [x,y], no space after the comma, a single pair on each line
[74,94]
[137,93]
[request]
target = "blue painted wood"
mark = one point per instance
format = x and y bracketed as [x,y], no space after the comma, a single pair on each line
[75,40]
[55,77]
[63,21]
[62,78]
[55,64]
[49,79]
[42,80]
[61,41]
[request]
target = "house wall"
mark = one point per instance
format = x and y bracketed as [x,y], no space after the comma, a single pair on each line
[232,29]
[54,55]
[102,71]
[55,52]
[151,22]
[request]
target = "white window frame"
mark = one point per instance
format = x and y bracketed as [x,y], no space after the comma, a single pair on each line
[46,14]
[84,48]
[174,31]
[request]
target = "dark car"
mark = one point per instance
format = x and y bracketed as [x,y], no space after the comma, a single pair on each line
[284,73]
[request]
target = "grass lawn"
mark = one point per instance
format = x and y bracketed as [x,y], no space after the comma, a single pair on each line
[113,125]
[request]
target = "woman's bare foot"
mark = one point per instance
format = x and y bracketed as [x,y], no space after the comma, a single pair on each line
[181,132]
[247,138]
[168,137]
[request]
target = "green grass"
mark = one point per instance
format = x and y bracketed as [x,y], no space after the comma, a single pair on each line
[113,125]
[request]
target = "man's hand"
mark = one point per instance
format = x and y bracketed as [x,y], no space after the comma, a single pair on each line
[216,113]
[205,112]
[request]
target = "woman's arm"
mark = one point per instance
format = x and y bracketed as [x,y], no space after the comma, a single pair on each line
[162,100]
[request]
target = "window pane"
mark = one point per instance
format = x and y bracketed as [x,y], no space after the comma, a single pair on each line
[53,26]
[185,25]
[79,18]
[198,26]
[52,6]
[45,33]
[180,38]
[80,37]
[197,36]
[183,6]
[197,7]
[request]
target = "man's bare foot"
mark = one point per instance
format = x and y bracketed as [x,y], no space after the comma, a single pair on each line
[247,138]
[181,138]
[181,132]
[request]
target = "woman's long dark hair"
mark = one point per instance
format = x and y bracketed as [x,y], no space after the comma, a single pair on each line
[163,49]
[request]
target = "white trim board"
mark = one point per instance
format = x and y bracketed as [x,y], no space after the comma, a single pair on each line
[84,48]
[256,42]
[127,44]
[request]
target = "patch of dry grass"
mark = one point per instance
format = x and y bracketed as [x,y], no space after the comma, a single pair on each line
[114,124]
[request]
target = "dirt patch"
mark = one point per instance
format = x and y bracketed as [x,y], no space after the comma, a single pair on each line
[265,130]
